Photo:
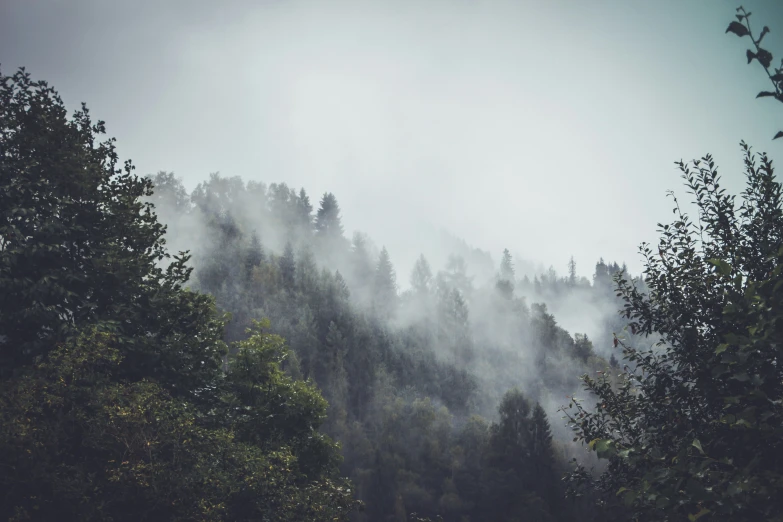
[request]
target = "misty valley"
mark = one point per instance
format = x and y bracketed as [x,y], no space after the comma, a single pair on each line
[232,353]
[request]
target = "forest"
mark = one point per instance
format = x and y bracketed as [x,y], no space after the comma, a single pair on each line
[230,354]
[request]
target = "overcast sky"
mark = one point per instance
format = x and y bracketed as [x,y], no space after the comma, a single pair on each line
[549,128]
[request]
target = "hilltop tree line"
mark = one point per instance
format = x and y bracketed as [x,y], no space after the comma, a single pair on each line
[417,380]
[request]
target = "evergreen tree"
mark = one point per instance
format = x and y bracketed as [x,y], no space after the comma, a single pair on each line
[507,267]
[421,276]
[305,211]
[254,255]
[113,405]
[571,272]
[583,347]
[385,297]
[78,247]
[287,264]
[456,275]
[328,223]
[362,270]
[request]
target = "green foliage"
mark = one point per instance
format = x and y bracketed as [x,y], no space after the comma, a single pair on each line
[694,428]
[742,28]
[77,443]
[78,247]
[113,405]
[271,410]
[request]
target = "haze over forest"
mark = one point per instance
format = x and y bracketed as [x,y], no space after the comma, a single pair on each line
[414,288]
[506,123]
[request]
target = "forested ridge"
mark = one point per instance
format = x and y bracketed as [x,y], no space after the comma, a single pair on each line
[414,379]
[274,369]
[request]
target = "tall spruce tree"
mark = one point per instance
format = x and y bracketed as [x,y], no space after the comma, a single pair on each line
[385,295]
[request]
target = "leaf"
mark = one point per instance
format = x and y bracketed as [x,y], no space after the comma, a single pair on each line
[723,267]
[761,36]
[721,348]
[750,54]
[738,29]
[764,57]
[741,376]
[605,448]
[697,516]
[696,444]
[778,135]
[764,94]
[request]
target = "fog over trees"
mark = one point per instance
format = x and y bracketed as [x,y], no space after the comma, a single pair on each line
[232,352]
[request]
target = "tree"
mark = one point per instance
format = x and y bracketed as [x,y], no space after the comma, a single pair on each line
[254,255]
[328,223]
[305,211]
[505,282]
[571,272]
[385,298]
[507,267]
[696,426]
[421,276]
[583,347]
[287,264]
[456,275]
[764,57]
[113,401]
[508,476]
[77,443]
[79,247]
[169,192]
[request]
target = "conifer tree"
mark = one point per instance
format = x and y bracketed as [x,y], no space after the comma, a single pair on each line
[287,265]
[328,223]
[421,276]
[254,255]
[385,296]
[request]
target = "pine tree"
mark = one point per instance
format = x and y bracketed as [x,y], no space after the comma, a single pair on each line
[456,275]
[362,274]
[287,265]
[571,272]
[385,297]
[254,255]
[328,223]
[507,267]
[421,276]
[304,211]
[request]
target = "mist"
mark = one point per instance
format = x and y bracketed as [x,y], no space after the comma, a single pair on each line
[428,200]
[505,123]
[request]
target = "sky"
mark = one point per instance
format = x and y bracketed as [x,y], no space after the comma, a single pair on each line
[549,128]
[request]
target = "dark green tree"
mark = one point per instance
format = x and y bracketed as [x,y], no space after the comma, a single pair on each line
[695,426]
[113,402]
[79,247]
